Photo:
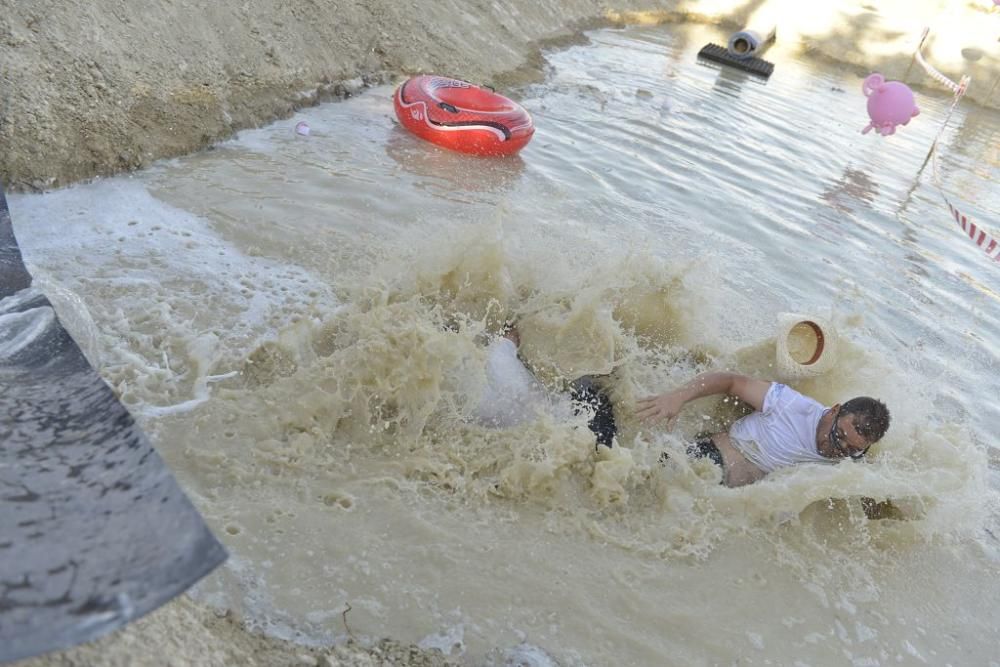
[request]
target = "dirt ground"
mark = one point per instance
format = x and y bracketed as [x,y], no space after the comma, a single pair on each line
[184,634]
[99,87]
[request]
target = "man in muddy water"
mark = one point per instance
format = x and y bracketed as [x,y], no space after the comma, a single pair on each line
[786,428]
[513,395]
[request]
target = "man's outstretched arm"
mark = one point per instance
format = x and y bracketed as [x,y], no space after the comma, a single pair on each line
[667,406]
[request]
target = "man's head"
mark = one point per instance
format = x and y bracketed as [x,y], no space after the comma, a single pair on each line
[870,417]
[856,425]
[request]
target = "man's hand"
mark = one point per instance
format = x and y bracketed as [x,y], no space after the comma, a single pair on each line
[664,406]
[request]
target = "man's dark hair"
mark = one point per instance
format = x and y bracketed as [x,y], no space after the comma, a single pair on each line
[869,416]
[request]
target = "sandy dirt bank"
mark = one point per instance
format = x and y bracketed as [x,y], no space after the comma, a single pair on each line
[184,633]
[96,88]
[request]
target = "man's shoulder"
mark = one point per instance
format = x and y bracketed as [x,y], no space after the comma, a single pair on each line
[782,397]
[776,396]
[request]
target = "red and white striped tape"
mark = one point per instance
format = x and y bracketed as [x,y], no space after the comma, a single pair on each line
[956,88]
[979,236]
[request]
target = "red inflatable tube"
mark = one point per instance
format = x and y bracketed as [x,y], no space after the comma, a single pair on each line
[461,116]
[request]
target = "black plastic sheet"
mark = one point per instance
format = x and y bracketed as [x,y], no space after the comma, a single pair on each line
[94,530]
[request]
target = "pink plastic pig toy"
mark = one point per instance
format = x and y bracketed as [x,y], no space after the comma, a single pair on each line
[890,103]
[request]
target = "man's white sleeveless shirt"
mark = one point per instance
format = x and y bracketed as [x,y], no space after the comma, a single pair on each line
[783,433]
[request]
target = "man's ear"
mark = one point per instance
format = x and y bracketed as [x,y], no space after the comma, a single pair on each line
[835,408]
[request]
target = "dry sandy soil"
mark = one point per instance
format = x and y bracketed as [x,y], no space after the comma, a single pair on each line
[184,634]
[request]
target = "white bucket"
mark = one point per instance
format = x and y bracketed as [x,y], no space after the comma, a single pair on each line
[805,346]
[749,43]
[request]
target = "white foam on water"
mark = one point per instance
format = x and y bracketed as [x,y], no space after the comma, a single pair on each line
[187,304]
[524,655]
[450,641]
